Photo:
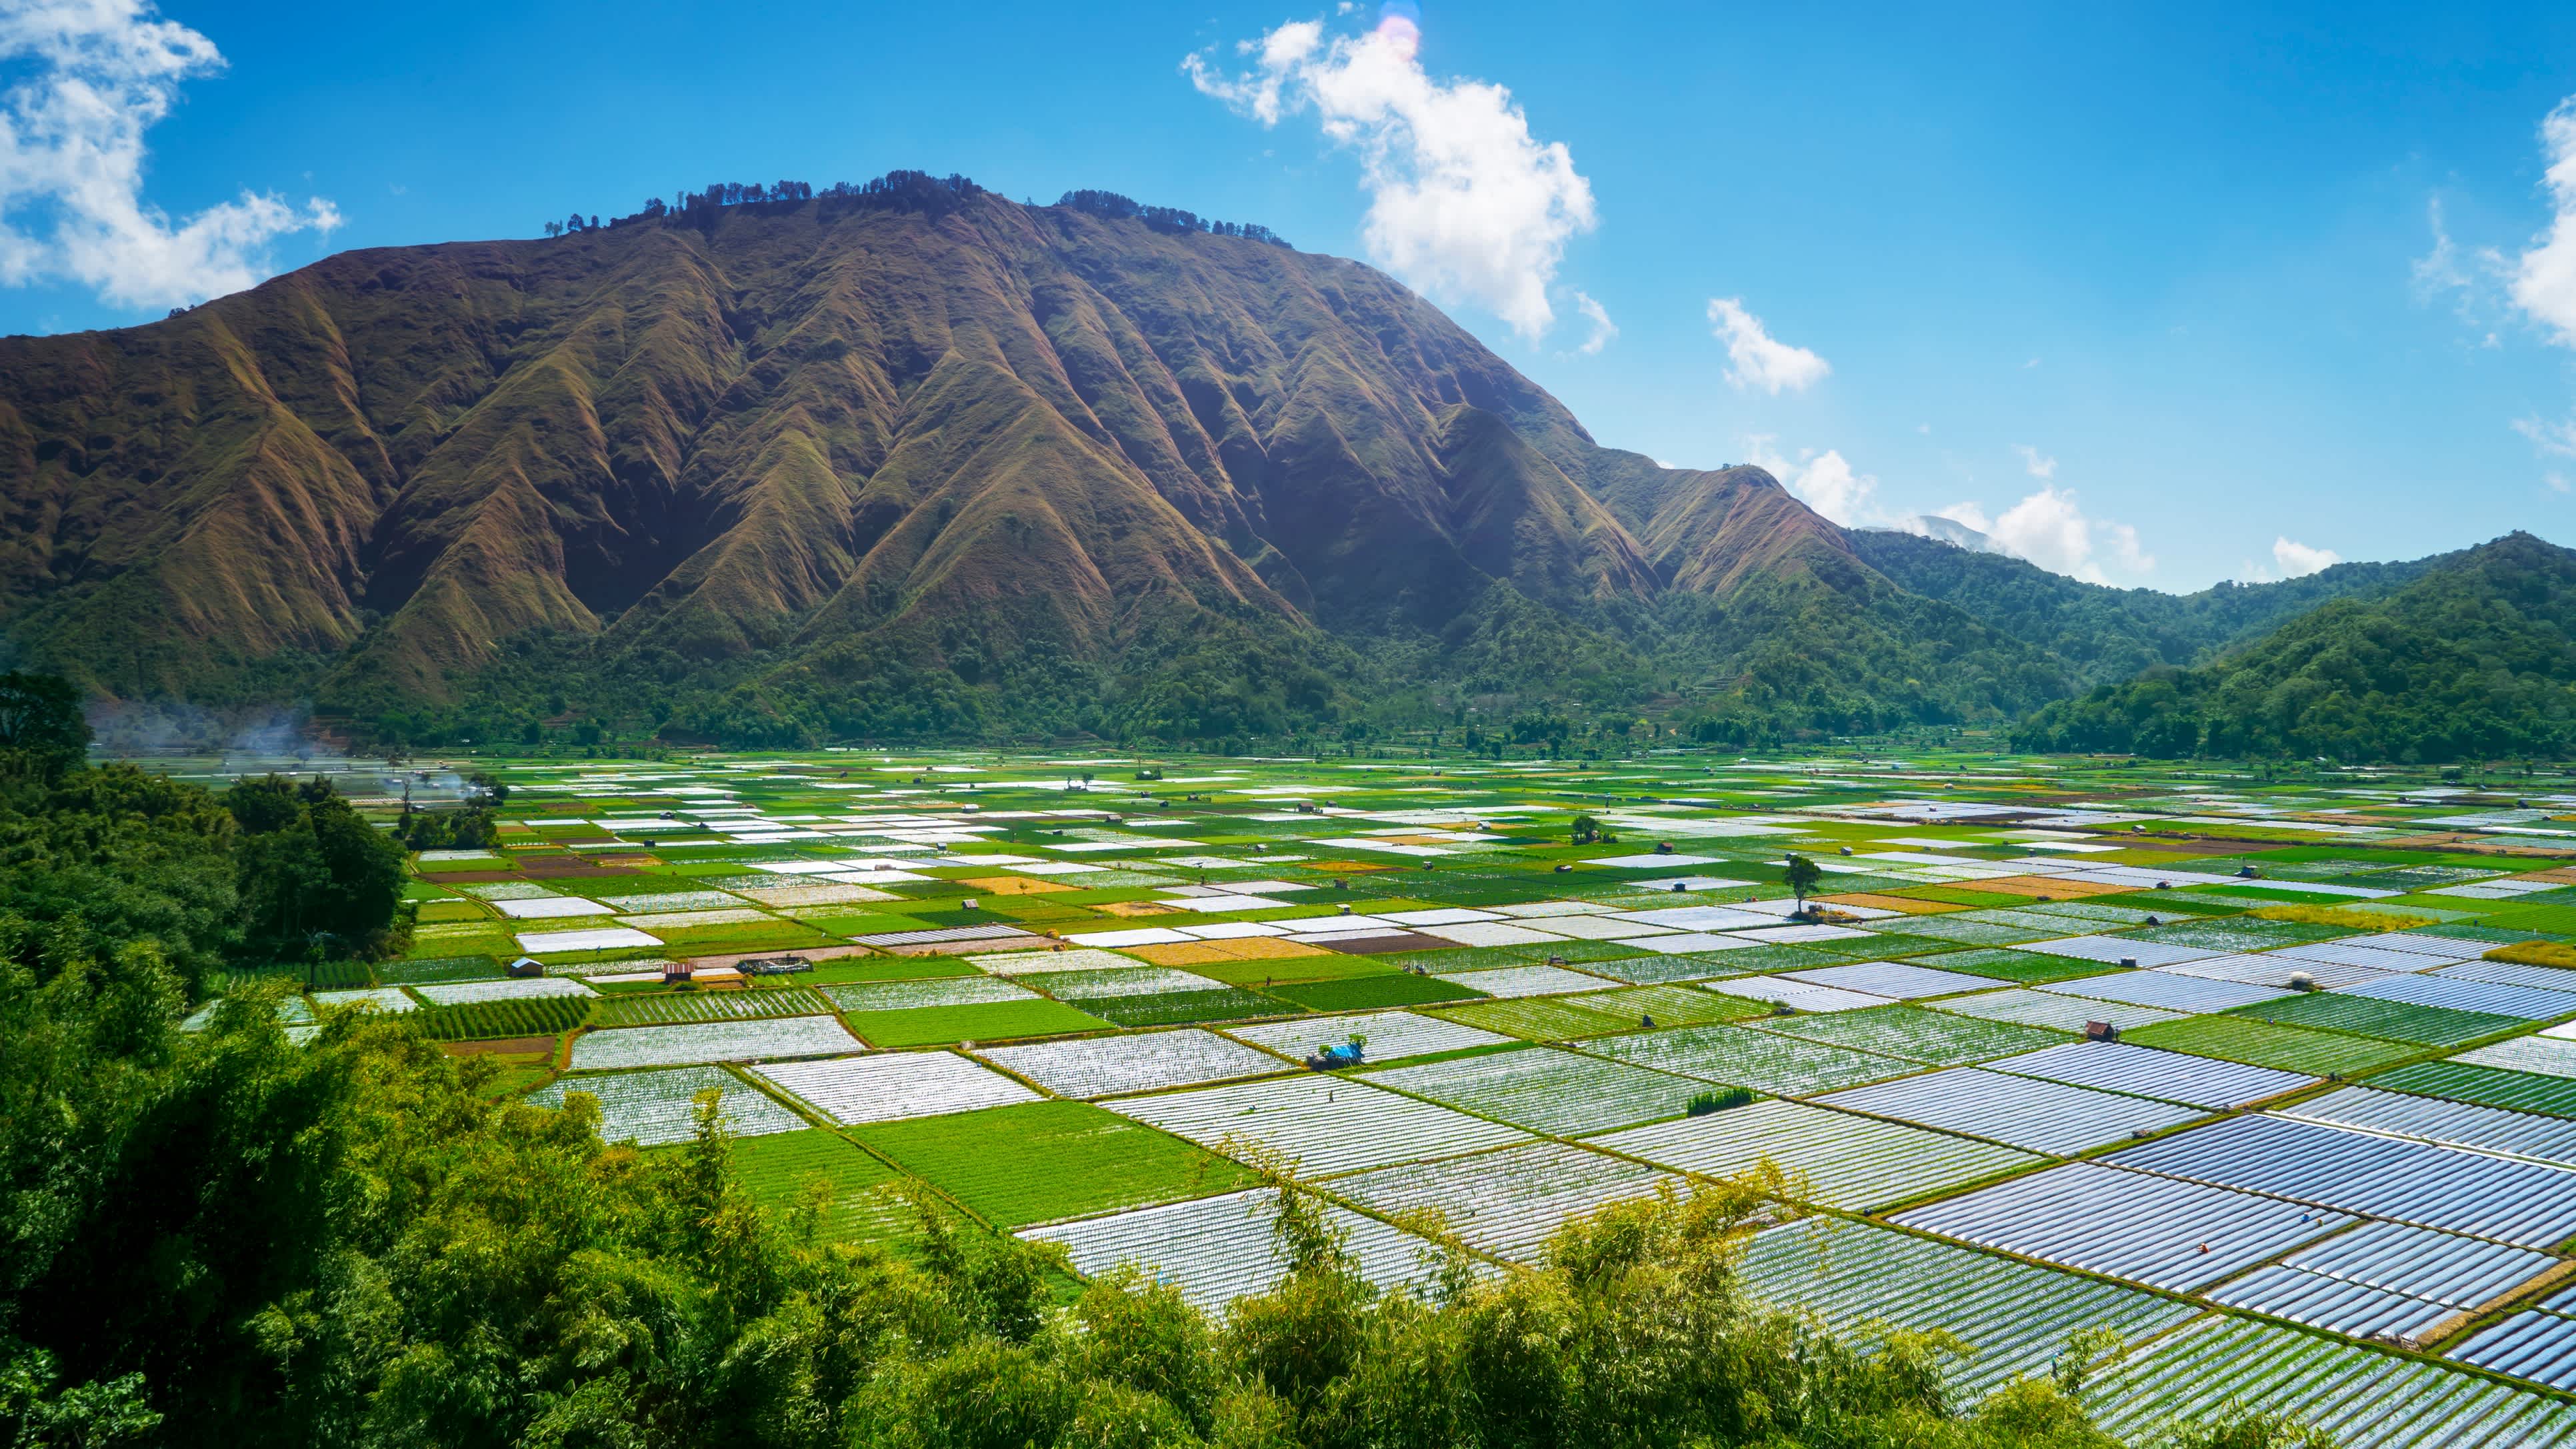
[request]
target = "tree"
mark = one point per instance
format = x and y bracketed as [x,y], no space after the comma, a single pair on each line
[42,731]
[316,880]
[1801,878]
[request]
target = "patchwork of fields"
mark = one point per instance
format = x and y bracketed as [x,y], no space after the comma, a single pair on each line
[2276,1084]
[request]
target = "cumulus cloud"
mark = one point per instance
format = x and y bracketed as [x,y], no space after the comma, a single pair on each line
[1464,203]
[97,75]
[2051,529]
[1755,358]
[1825,482]
[1603,329]
[2544,279]
[2297,560]
[2032,460]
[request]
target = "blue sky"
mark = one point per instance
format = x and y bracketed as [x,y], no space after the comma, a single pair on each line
[2159,293]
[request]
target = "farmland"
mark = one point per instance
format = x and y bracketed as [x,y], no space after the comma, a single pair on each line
[2328,1139]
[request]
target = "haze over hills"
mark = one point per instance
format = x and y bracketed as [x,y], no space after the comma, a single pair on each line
[914,460]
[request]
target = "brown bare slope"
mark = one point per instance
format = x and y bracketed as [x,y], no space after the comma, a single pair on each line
[787,442]
[790,422]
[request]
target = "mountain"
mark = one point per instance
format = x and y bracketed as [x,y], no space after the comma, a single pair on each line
[910,460]
[1951,531]
[912,444]
[2105,635]
[2472,659]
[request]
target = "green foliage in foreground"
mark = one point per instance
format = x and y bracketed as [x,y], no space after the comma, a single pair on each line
[351,1245]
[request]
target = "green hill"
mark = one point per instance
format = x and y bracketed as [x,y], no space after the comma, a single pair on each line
[2473,659]
[2106,635]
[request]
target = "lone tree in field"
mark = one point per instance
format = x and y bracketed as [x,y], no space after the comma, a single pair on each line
[1801,878]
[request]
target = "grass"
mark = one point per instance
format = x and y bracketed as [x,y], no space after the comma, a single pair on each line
[988,1021]
[1668,1005]
[1932,1037]
[437,968]
[2389,1020]
[2343,917]
[2267,1044]
[2536,953]
[2029,968]
[845,1181]
[768,936]
[484,1020]
[1043,1161]
[2485,1086]
[1391,988]
[1537,1018]
[1335,967]
[1174,1008]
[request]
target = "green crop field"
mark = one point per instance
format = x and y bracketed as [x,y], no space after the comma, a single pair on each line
[987,1021]
[2485,1086]
[664,1007]
[477,1020]
[2265,1044]
[844,1184]
[2028,967]
[2388,1020]
[1918,1035]
[1362,993]
[1048,1160]
[1511,1104]
[1538,1018]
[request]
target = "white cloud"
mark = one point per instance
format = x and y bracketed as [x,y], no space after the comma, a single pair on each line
[2544,279]
[97,74]
[1463,202]
[1756,358]
[2297,560]
[2553,439]
[1603,329]
[2049,528]
[1825,482]
[2031,459]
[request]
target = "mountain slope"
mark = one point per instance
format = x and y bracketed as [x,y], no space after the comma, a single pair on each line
[2474,658]
[913,460]
[784,447]
[2103,634]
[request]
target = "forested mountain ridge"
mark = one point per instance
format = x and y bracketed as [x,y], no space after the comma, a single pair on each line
[914,461]
[2109,634]
[2474,658]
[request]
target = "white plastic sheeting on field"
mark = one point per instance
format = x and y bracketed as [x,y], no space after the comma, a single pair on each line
[2151,1230]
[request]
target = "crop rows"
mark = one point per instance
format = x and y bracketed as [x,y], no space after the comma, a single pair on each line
[663,1008]
[1832,1159]
[526,1016]
[1146,1061]
[1736,1056]
[1916,1034]
[1546,1090]
[1506,1203]
[716,1041]
[653,1109]
[1321,1124]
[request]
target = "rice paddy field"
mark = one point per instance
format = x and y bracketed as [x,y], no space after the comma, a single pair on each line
[2272,1083]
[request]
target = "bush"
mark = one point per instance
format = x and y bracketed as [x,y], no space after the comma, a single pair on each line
[1706,1102]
